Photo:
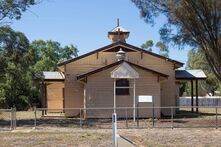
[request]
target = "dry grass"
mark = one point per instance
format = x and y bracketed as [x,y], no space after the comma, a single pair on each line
[102,137]
[57,138]
[174,137]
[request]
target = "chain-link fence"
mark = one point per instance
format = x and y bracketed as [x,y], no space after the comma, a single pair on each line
[7,119]
[127,117]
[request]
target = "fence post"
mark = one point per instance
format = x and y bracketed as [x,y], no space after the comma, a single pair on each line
[172,117]
[126,119]
[35,121]
[11,118]
[80,119]
[15,125]
[153,117]
[216,119]
[137,117]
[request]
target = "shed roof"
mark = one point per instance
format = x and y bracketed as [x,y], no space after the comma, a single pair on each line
[190,74]
[124,71]
[50,75]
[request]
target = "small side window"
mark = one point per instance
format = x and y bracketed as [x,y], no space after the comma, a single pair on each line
[122,83]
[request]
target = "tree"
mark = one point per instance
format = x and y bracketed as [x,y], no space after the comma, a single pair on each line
[49,53]
[163,49]
[15,60]
[147,45]
[12,9]
[196,60]
[189,22]
[19,61]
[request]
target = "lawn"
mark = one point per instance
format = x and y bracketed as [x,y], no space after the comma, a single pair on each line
[102,137]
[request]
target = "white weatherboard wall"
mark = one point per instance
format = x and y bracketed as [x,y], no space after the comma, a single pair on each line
[99,94]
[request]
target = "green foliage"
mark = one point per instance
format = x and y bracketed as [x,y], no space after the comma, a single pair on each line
[196,60]
[49,53]
[19,61]
[14,58]
[189,22]
[12,9]
[164,51]
[147,45]
[182,88]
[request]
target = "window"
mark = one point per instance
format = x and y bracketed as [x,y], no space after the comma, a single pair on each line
[122,83]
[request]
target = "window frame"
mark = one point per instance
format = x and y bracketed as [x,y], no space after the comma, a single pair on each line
[125,83]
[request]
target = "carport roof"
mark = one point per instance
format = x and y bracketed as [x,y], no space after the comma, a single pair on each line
[190,75]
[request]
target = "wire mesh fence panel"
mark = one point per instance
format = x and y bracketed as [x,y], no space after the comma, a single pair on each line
[51,118]
[218,117]
[144,117]
[98,118]
[5,119]
[162,117]
[127,117]
[188,117]
[25,118]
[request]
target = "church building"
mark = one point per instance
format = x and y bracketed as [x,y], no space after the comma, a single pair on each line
[115,76]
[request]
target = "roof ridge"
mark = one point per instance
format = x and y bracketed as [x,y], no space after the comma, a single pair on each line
[114,44]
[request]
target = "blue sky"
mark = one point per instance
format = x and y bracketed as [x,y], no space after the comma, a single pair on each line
[85,23]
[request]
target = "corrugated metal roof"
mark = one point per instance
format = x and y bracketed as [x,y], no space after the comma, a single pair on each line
[190,74]
[50,75]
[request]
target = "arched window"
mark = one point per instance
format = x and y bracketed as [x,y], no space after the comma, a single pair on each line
[124,83]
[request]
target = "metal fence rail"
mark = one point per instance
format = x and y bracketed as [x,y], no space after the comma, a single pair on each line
[146,117]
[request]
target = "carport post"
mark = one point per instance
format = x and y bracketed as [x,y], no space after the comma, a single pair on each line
[192,96]
[197,96]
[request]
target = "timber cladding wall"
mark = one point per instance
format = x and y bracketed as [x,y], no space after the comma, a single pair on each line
[55,95]
[74,89]
[99,94]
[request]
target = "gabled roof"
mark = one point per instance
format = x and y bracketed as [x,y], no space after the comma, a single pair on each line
[190,75]
[81,76]
[50,76]
[124,45]
[124,71]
